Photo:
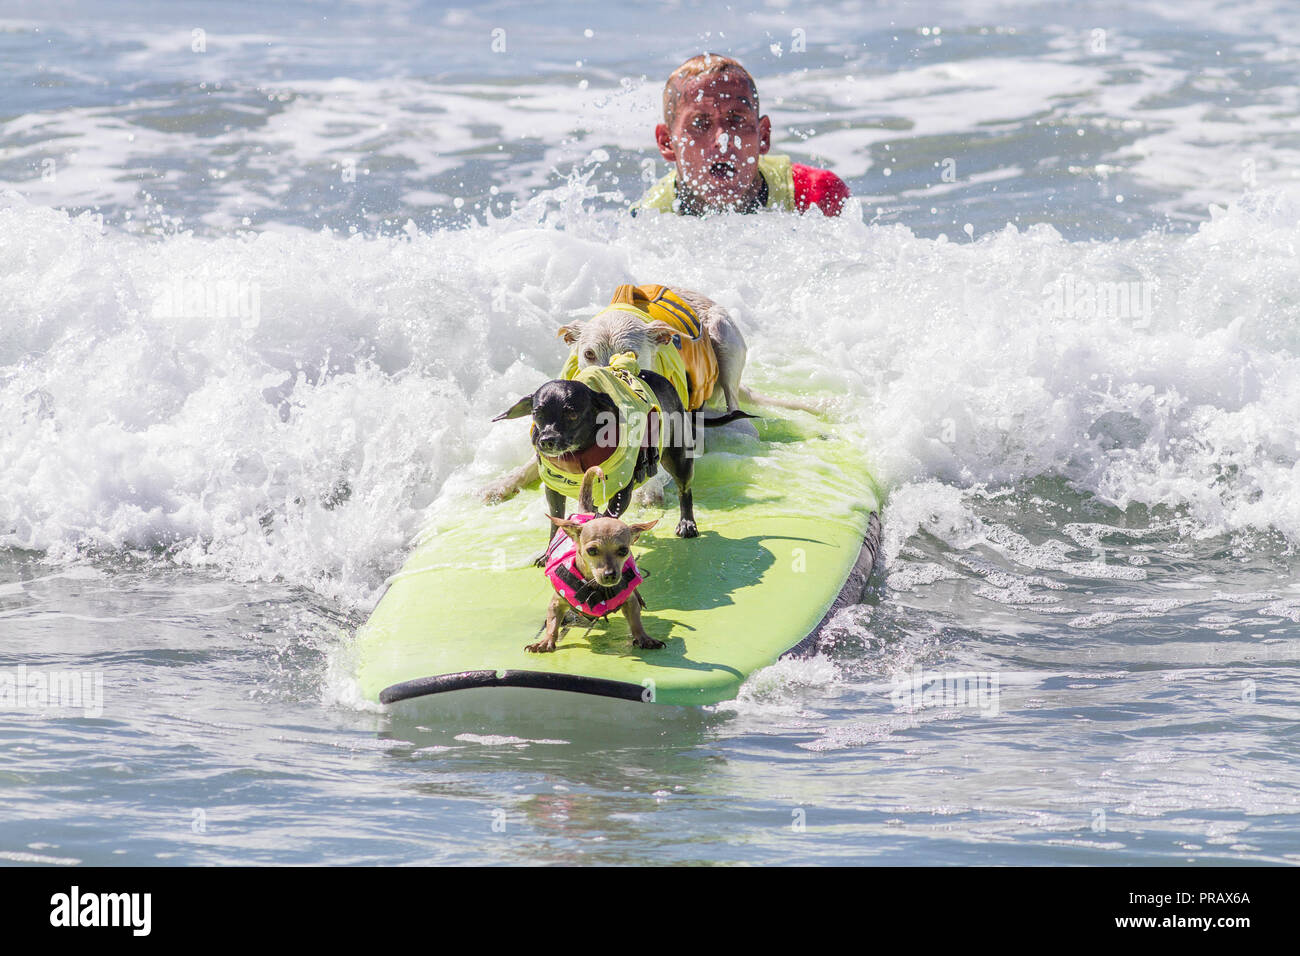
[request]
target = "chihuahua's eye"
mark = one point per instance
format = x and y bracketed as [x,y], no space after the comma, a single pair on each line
[593,551]
[622,552]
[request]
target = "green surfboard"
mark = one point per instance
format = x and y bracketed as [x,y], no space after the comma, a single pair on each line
[785,521]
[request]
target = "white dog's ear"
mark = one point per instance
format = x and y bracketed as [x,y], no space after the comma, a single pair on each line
[570,332]
[660,333]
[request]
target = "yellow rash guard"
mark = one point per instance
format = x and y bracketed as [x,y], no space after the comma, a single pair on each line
[687,361]
[775,168]
[638,412]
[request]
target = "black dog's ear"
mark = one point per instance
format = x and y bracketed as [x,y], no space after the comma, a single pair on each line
[603,403]
[518,410]
[605,418]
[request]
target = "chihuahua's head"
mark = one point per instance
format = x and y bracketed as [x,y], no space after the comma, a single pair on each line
[612,333]
[604,545]
[567,416]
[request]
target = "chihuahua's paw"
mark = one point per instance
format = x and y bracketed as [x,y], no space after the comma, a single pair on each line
[544,646]
[686,529]
[539,559]
[648,642]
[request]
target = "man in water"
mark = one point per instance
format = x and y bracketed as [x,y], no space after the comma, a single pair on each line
[718,142]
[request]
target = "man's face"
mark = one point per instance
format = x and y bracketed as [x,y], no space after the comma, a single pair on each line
[715,139]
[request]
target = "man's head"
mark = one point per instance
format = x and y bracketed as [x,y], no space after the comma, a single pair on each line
[713,132]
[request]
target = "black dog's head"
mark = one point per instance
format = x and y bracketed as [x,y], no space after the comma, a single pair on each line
[568,416]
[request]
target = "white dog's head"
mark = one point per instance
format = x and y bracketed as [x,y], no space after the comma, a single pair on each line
[612,333]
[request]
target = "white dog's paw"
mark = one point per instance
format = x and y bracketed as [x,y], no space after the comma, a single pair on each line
[497,492]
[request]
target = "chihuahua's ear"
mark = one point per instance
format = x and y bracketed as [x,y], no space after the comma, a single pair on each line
[660,333]
[637,529]
[518,410]
[571,528]
[570,332]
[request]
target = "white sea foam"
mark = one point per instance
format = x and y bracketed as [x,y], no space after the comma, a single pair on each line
[309,443]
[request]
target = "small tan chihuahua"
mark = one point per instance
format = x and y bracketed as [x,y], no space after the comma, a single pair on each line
[590,565]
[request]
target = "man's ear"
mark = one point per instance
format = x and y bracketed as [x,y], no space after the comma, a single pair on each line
[571,528]
[637,529]
[664,139]
[518,410]
[570,332]
[660,333]
[764,135]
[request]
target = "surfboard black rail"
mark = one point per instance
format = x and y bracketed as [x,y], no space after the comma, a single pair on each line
[540,680]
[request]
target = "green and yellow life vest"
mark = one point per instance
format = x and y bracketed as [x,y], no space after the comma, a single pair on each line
[688,361]
[775,168]
[616,454]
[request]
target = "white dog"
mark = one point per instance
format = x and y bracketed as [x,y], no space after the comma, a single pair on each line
[611,333]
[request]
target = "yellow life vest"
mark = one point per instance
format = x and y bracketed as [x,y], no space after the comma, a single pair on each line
[636,405]
[775,168]
[687,361]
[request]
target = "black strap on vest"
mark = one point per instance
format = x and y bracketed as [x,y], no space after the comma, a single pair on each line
[589,592]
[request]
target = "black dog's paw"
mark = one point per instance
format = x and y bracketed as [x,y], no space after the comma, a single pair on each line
[686,529]
[647,642]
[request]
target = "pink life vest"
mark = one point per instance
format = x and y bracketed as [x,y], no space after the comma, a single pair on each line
[587,596]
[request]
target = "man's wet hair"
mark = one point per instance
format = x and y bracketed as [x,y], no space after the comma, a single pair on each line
[706,64]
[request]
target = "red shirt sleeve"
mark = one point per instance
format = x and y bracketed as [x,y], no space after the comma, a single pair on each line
[818,187]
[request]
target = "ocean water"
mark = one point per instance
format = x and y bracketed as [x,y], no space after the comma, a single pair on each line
[268,270]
